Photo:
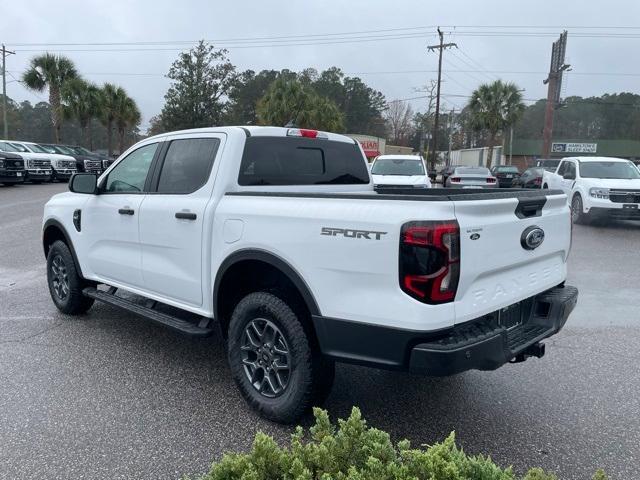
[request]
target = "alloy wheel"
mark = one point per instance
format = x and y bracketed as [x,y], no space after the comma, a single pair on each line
[266,358]
[60,278]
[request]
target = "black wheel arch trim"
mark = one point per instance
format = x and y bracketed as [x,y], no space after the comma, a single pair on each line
[273,260]
[55,223]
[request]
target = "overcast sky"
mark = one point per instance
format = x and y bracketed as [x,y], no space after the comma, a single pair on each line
[607,42]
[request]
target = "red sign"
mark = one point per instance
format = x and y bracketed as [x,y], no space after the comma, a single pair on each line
[370,147]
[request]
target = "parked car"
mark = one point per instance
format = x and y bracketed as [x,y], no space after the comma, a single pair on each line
[471,177]
[37,165]
[505,174]
[530,178]
[549,164]
[400,170]
[62,166]
[279,235]
[83,162]
[598,187]
[11,168]
[446,172]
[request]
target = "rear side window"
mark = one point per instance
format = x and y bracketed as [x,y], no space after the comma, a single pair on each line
[301,161]
[187,165]
[563,168]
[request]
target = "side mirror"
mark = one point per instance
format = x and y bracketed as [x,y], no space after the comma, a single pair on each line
[84,183]
[569,176]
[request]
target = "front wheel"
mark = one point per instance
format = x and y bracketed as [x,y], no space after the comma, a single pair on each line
[577,211]
[65,283]
[274,362]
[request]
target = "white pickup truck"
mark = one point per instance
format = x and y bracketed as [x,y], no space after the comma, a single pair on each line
[277,238]
[597,187]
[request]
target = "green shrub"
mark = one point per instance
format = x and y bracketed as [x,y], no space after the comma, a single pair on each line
[354,451]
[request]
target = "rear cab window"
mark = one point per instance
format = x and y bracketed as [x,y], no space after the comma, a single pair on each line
[301,161]
[187,165]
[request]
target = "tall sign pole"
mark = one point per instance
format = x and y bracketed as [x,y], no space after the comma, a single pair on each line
[554,82]
[434,137]
[5,53]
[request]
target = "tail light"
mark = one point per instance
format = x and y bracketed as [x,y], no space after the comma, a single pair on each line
[430,260]
[537,181]
[491,180]
[455,179]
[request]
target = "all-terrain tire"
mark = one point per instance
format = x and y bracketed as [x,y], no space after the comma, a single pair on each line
[309,377]
[65,283]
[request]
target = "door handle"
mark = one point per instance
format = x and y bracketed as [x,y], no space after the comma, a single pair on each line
[186,216]
[125,211]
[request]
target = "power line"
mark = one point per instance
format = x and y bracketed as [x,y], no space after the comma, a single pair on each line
[394,72]
[477,64]
[358,32]
[324,38]
[232,39]
[464,62]
[244,45]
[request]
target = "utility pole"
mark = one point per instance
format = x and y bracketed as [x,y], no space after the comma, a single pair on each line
[440,47]
[554,82]
[453,111]
[5,53]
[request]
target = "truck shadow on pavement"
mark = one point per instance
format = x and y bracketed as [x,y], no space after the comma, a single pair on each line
[519,414]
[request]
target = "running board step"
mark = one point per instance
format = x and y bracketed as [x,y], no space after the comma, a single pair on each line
[170,321]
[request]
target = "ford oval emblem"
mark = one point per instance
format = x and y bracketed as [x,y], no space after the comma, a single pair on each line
[532,238]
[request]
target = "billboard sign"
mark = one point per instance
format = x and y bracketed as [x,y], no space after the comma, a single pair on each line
[372,146]
[574,147]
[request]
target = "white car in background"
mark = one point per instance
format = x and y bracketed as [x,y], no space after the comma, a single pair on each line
[400,171]
[598,187]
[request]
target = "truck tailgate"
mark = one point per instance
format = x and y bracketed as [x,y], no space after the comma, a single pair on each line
[498,268]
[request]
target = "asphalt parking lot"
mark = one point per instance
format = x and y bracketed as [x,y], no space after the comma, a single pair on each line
[111,396]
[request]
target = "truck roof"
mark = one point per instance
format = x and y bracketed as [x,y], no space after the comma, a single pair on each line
[259,131]
[596,159]
[400,157]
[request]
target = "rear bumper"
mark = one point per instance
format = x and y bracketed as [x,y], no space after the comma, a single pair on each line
[505,182]
[488,345]
[485,343]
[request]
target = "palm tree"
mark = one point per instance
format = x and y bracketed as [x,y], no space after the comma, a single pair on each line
[50,71]
[288,101]
[494,107]
[127,115]
[111,97]
[81,101]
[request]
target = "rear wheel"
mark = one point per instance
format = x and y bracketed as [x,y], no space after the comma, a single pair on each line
[577,211]
[273,360]
[65,284]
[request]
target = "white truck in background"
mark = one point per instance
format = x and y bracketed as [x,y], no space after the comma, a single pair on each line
[276,238]
[61,166]
[597,188]
[37,167]
[400,170]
